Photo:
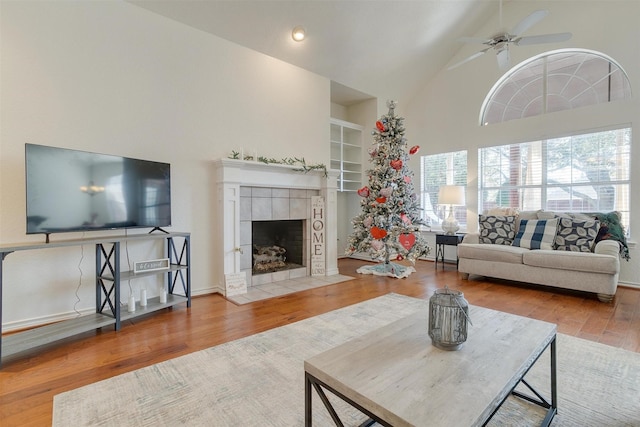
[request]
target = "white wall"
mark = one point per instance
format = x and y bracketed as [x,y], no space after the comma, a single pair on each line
[113,78]
[444,114]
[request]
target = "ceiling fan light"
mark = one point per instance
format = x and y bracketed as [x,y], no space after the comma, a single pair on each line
[504,58]
[298,34]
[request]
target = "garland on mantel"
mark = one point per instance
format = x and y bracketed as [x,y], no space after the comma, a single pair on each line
[304,167]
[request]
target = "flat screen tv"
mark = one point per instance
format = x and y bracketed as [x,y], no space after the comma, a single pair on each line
[70,190]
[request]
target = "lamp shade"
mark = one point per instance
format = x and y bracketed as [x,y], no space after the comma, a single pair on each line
[451,195]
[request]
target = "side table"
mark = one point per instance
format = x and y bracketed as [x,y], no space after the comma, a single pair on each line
[443,240]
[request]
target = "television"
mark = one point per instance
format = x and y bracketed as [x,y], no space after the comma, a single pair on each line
[70,190]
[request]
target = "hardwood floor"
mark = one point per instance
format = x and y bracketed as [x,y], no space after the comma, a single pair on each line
[28,384]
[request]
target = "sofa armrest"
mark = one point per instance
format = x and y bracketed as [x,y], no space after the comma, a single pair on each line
[607,247]
[471,238]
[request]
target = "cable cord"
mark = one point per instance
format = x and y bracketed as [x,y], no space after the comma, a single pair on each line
[75,305]
[126,249]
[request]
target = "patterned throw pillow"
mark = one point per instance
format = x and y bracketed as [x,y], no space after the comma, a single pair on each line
[536,233]
[497,229]
[576,235]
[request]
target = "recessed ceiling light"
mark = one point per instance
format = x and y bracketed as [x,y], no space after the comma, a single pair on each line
[298,33]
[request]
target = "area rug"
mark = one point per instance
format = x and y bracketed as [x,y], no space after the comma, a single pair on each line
[259,380]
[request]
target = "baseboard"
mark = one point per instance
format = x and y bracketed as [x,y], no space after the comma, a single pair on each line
[629,285]
[34,322]
[207,291]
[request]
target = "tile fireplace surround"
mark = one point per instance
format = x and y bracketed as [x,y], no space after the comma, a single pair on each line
[250,191]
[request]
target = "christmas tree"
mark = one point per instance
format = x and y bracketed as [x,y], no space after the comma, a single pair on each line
[389,225]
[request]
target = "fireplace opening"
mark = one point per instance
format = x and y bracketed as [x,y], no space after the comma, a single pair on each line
[277,245]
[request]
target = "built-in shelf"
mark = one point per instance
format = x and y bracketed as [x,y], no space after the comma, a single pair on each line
[108,308]
[346,153]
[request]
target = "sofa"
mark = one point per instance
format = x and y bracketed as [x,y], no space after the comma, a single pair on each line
[572,251]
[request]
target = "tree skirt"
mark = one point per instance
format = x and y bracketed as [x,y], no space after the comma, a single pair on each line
[389,269]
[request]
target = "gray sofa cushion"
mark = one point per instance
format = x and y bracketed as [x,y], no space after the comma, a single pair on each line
[574,261]
[497,253]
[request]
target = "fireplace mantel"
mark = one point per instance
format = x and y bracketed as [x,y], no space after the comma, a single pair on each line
[235,176]
[258,174]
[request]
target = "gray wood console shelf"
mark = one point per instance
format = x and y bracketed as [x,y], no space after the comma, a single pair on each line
[108,279]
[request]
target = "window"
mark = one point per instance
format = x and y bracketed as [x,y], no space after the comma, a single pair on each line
[435,171]
[555,81]
[580,173]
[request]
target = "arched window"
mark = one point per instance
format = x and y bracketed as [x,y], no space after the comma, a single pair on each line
[555,81]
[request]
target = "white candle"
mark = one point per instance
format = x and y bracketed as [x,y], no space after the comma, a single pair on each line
[132,304]
[163,293]
[143,297]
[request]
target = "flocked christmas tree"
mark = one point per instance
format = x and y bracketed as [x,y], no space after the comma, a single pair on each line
[389,226]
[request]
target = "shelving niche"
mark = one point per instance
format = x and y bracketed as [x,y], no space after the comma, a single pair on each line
[346,153]
[108,280]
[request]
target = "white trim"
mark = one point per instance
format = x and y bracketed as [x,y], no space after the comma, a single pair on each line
[518,67]
[33,322]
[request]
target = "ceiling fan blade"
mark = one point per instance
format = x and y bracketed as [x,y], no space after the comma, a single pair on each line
[476,40]
[504,58]
[544,38]
[529,22]
[470,58]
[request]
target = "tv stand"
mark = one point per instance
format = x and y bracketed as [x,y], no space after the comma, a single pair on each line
[107,293]
[158,229]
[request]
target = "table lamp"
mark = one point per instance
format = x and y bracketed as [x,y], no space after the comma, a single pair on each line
[452,195]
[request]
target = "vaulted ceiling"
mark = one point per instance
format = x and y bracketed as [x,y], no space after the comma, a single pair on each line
[380,48]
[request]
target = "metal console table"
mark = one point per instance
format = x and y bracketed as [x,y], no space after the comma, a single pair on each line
[108,278]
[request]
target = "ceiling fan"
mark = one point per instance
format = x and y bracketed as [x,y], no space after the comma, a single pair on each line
[501,42]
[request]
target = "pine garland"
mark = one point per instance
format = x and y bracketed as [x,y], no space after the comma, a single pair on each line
[290,161]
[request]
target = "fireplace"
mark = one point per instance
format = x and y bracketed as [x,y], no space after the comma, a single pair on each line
[277,245]
[250,193]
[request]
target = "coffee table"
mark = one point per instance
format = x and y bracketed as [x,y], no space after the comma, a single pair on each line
[396,376]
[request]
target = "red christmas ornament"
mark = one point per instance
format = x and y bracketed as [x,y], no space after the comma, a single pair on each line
[396,164]
[379,233]
[399,257]
[381,200]
[363,192]
[407,240]
[380,126]
[414,149]
[405,218]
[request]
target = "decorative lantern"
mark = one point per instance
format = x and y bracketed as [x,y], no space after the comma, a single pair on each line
[448,316]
